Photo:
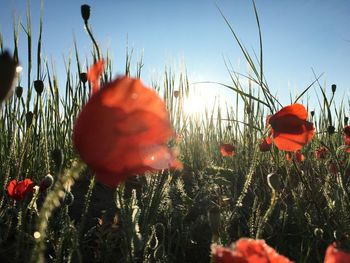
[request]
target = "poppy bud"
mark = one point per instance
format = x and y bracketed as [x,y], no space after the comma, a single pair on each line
[339,236]
[334,88]
[46,182]
[68,198]
[331,130]
[176,93]
[85,12]
[229,127]
[39,86]
[346,119]
[29,118]
[273,182]
[214,219]
[83,77]
[318,232]
[57,156]
[8,70]
[19,91]
[312,113]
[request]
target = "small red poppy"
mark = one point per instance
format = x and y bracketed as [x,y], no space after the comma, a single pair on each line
[289,156]
[247,250]
[333,168]
[123,130]
[290,129]
[19,190]
[321,152]
[227,149]
[299,157]
[265,144]
[334,255]
[94,75]
[347,131]
[347,138]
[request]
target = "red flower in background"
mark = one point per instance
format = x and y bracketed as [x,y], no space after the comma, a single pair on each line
[334,255]
[247,250]
[265,144]
[290,130]
[19,190]
[123,130]
[347,138]
[299,157]
[321,152]
[289,156]
[227,149]
[94,75]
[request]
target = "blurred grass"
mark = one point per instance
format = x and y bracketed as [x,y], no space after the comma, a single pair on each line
[169,216]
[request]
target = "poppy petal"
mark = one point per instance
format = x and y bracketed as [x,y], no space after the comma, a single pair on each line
[334,255]
[94,75]
[297,110]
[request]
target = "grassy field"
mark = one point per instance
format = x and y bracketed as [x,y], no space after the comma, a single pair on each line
[298,205]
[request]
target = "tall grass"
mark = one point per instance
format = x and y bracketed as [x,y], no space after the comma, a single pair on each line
[168,216]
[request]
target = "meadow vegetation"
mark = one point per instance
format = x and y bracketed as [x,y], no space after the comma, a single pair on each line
[297,202]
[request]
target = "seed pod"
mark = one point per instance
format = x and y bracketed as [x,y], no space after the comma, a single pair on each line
[331,130]
[68,198]
[46,182]
[334,88]
[85,12]
[312,113]
[176,93]
[39,86]
[274,182]
[346,120]
[29,118]
[7,75]
[19,91]
[83,77]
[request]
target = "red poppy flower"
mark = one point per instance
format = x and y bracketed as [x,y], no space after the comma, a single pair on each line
[265,144]
[19,190]
[94,75]
[321,153]
[247,250]
[299,157]
[227,149]
[289,127]
[333,168]
[289,156]
[123,130]
[347,138]
[334,255]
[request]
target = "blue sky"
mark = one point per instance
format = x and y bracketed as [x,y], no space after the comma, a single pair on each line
[297,35]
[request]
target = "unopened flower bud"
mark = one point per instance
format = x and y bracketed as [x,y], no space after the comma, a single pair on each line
[176,93]
[346,120]
[83,77]
[331,130]
[39,86]
[85,12]
[68,198]
[19,91]
[334,88]
[312,113]
[318,232]
[29,118]
[46,182]
[274,182]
